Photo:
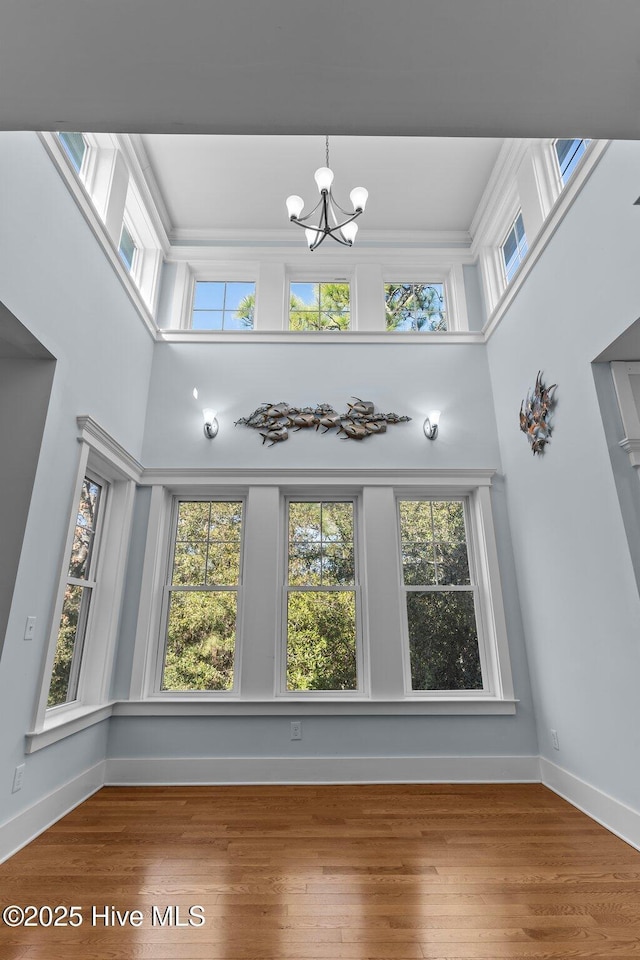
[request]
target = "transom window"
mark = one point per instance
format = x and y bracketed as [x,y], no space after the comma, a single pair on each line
[569,154]
[201,596]
[78,594]
[319,306]
[440,596]
[127,248]
[75,147]
[223,305]
[514,248]
[415,306]
[321,596]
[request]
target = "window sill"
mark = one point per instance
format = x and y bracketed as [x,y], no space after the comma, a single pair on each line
[64,723]
[326,706]
[319,336]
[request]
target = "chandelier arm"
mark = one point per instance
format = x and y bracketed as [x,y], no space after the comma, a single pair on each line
[310,214]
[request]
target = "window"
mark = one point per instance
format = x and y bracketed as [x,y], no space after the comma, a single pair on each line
[202,596]
[514,248]
[569,154]
[127,248]
[415,306]
[282,594]
[319,306]
[440,596]
[223,305]
[75,147]
[78,594]
[321,596]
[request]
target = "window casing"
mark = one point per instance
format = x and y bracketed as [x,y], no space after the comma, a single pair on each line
[264,671]
[514,248]
[323,305]
[80,587]
[415,307]
[223,305]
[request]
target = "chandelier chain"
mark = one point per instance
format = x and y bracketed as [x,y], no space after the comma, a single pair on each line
[326,139]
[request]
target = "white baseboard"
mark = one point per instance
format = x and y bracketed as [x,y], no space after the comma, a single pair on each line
[231,770]
[27,825]
[617,817]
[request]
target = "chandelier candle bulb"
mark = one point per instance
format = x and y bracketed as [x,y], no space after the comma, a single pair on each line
[324,178]
[349,232]
[294,206]
[359,197]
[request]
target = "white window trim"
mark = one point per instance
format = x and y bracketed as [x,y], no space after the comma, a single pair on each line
[260,681]
[503,263]
[102,457]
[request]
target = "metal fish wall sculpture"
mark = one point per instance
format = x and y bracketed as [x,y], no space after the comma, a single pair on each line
[534,415]
[275,420]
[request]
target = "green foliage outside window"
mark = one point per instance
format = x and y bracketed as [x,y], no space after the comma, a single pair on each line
[415,306]
[319,306]
[201,623]
[443,638]
[321,623]
[77,597]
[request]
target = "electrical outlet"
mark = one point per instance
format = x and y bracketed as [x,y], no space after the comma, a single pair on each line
[554,740]
[30,628]
[296,729]
[18,778]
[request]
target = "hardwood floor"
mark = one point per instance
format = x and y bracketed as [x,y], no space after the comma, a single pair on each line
[329,872]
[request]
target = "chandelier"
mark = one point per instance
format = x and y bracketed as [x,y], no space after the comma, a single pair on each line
[333,220]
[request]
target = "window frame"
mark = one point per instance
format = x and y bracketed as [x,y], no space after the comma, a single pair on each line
[101,457]
[308,277]
[168,587]
[585,142]
[192,298]
[357,588]
[446,297]
[521,257]
[475,587]
[260,641]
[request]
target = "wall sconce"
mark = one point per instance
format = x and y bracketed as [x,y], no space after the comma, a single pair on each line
[430,425]
[210,423]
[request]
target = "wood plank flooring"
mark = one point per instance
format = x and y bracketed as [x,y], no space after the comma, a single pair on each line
[389,872]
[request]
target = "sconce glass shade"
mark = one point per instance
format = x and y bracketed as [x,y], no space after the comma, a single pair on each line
[210,423]
[349,231]
[324,178]
[430,425]
[294,206]
[359,197]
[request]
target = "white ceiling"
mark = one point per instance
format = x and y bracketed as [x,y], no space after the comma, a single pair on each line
[540,68]
[240,183]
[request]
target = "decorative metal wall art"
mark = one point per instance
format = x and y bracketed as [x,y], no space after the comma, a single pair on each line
[534,414]
[275,420]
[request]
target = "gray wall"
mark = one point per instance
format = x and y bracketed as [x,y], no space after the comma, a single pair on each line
[25,385]
[578,593]
[236,378]
[55,280]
